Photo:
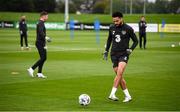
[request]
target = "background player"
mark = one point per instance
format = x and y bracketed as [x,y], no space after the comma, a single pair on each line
[142,32]
[41,46]
[119,35]
[23,32]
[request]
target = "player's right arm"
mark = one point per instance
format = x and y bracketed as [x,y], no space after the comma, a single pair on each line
[109,40]
[108,44]
[140,24]
[20,27]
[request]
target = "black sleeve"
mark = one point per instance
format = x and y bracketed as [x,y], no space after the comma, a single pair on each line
[134,39]
[139,24]
[20,25]
[109,40]
[41,30]
[145,24]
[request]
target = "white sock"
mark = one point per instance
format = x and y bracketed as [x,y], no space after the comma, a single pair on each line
[126,93]
[31,69]
[113,91]
[39,74]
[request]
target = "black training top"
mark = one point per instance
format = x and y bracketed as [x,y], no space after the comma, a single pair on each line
[22,26]
[41,32]
[142,27]
[120,36]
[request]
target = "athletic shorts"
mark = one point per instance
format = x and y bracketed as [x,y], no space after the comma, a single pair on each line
[117,57]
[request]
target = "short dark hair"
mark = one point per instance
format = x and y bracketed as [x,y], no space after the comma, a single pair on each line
[43,13]
[117,14]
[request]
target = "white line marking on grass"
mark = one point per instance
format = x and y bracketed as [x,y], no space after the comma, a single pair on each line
[54,49]
[72,49]
[14,73]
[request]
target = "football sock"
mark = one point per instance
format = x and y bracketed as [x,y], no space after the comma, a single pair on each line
[113,91]
[126,93]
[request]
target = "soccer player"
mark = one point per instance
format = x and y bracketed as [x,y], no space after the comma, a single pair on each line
[41,46]
[23,32]
[142,32]
[119,35]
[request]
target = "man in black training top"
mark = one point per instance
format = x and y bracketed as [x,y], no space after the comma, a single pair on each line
[23,32]
[120,35]
[142,32]
[41,46]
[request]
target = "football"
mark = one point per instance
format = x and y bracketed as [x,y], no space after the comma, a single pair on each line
[84,99]
[48,39]
[172,45]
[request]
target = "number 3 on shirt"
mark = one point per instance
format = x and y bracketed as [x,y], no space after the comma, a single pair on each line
[118,38]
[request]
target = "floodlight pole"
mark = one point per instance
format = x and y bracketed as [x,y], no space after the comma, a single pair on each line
[125,6]
[111,7]
[144,9]
[66,14]
[131,7]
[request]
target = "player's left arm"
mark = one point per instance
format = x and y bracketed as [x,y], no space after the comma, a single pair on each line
[134,39]
[145,24]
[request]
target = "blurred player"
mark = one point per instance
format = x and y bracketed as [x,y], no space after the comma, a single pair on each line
[142,32]
[120,35]
[23,32]
[41,46]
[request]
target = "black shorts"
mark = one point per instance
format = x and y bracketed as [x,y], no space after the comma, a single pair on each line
[117,57]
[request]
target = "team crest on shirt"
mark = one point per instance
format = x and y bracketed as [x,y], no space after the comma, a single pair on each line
[123,32]
[113,32]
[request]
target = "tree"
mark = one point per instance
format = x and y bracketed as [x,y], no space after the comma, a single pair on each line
[150,8]
[17,5]
[174,5]
[45,5]
[61,7]
[138,6]
[161,6]
[99,7]
[27,6]
[118,5]
[78,3]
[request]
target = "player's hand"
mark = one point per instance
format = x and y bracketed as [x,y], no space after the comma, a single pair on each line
[48,39]
[21,32]
[45,47]
[129,51]
[105,55]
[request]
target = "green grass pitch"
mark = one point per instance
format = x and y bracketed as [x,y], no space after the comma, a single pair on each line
[75,66]
[90,18]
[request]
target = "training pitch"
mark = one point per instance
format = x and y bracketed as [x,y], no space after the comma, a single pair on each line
[75,66]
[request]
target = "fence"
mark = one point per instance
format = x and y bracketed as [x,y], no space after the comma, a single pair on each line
[90,26]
